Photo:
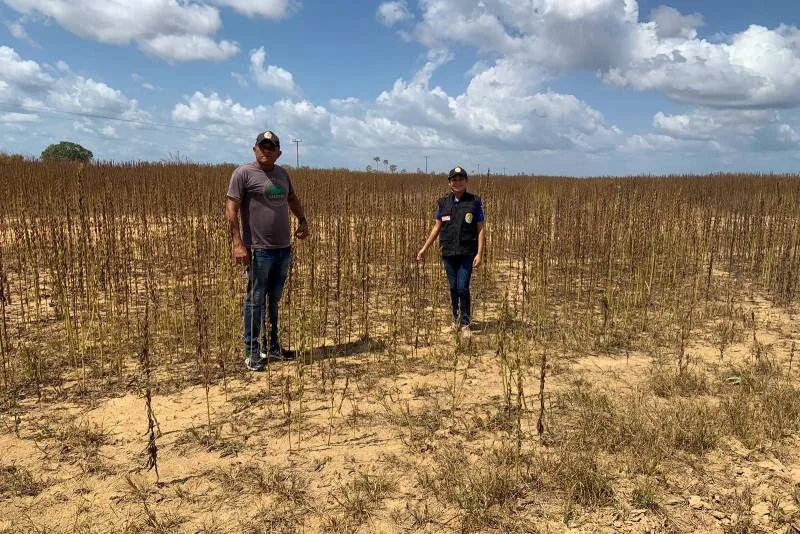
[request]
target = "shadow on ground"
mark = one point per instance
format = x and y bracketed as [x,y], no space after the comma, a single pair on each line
[494,326]
[352,348]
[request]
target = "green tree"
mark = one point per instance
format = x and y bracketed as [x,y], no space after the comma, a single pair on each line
[66,151]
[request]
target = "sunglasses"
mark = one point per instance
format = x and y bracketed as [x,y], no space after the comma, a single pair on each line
[458,179]
[267,147]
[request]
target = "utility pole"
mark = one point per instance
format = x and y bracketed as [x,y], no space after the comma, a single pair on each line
[297,150]
[426,164]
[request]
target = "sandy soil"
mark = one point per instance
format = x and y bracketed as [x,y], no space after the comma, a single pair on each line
[351,444]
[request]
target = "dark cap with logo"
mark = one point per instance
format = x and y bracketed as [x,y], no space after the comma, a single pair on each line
[268,137]
[457,171]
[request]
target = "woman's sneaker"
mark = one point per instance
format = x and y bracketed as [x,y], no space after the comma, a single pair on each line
[466,331]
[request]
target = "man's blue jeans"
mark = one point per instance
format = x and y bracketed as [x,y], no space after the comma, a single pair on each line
[459,271]
[266,276]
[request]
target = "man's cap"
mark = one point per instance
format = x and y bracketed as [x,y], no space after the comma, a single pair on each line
[457,171]
[268,137]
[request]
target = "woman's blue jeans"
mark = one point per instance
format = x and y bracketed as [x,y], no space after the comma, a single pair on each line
[459,271]
[266,276]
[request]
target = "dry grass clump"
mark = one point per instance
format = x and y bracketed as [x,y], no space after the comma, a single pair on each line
[276,518]
[253,479]
[666,382]
[691,425]
[16,481]
[355,501]
[147,517]
[212,441]
[644,497]
[76,442]
[82,440]
[642,430]
[630,425]
[768,414]
[759,401]
[483,490]
[418,423]
[579,475]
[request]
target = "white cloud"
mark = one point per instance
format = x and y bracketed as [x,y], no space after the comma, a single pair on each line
[286,117]
[121,21]
[85,95]
[670,22]
[18,30]
[58,101]
[91,127]
[739,130]
[640,144]
[271,77]
[26,84]
[349,105]
[758,67]
[172,30]
[240,79]
[377,132]
[138,78]
[189,48]
[19,117]
[390,13]
[25,74]
[211,108]
[501,108]
[559,34]
[270,9]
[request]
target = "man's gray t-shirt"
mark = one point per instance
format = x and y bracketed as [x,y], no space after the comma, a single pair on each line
[264,205]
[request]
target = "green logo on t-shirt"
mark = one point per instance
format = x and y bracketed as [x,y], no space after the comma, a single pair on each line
[275,192]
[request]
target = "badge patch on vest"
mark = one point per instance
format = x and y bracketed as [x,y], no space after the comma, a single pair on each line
[468,218]
[445,218]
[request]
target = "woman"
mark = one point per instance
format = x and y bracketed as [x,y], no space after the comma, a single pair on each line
[459,225]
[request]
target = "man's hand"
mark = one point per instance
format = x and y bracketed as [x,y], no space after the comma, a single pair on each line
[421,254]
[302,230]
[476,261]
[240,254]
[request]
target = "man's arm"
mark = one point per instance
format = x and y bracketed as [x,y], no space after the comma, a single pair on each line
[297,209]
[239,252]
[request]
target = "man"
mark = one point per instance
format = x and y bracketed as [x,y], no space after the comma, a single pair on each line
[459,225]
[262,193]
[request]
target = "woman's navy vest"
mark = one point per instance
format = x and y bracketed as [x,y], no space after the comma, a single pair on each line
[459,234]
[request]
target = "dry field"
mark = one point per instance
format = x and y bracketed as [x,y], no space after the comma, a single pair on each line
[634,366]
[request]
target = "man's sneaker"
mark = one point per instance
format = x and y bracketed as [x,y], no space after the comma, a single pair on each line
[465,331]
[277,354]
[253,366]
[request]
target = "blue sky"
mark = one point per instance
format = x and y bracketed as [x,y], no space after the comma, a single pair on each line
[567,87]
